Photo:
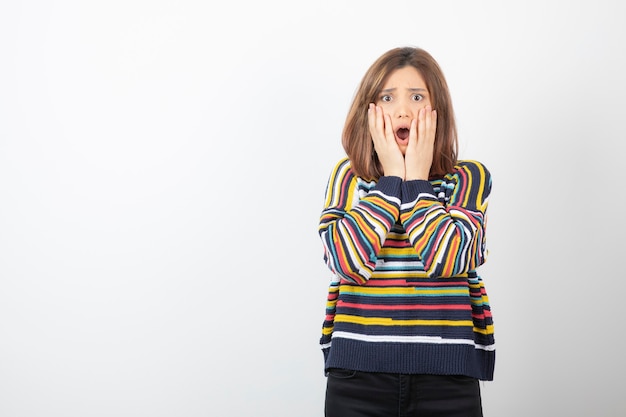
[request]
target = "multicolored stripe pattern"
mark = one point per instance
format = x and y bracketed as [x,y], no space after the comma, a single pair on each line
[404,294]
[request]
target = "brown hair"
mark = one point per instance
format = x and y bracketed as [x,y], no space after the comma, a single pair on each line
[356,138]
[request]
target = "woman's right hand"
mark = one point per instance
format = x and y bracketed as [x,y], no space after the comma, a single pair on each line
[389,153]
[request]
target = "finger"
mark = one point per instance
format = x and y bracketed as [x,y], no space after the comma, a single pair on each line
[434,121]
[431,123]
[375,121]
[421,125]
[380,120]
[377,127]
[413,131]
[371,118]
[388,128]
[377,115]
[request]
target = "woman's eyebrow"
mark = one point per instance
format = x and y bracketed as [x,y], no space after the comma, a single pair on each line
[416,89]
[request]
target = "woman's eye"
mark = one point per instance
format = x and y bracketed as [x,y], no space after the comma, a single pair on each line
[385,98]
[417,97]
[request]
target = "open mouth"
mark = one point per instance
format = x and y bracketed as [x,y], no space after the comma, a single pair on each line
[402,133]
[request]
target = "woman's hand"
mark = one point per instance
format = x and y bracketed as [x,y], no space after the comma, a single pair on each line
[389,153]
[419,152]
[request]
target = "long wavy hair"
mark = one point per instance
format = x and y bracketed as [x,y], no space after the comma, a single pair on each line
[356,138]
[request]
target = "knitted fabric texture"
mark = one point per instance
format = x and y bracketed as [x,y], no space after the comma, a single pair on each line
[404,294]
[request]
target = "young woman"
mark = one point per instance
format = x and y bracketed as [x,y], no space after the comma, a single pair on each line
[408,328]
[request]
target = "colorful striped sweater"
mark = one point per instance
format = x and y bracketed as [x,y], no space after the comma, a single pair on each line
[405,296]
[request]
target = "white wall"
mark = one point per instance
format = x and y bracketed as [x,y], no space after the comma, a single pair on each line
[162,168]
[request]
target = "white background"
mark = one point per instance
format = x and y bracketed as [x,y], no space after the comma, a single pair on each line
[162,170]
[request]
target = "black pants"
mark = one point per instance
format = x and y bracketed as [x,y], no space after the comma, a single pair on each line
[364,394]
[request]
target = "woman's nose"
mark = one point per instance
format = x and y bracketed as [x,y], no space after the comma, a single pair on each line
[402,110]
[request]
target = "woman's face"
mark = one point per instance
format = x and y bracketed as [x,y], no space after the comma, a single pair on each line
[402,96]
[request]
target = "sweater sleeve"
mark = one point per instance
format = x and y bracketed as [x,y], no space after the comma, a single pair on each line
[354,224]
[450,239]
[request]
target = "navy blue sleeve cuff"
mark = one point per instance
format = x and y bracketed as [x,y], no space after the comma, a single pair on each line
[411,189]
[390,186]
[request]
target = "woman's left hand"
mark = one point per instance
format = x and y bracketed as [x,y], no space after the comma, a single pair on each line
[419,153]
